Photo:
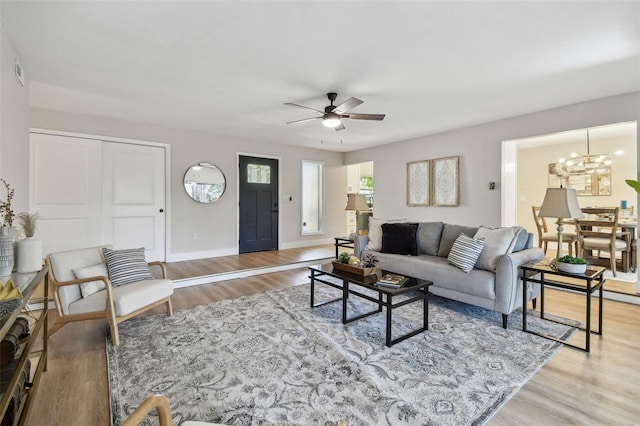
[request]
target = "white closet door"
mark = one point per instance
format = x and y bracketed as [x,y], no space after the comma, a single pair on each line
[66,190]
[134,197]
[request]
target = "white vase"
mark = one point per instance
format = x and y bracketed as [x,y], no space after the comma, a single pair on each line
[6,252]
[29,253]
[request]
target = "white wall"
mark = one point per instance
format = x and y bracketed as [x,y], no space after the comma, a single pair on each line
[215,223]
[14,126]
[479,148]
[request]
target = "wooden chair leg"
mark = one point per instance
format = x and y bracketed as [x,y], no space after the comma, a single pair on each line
[169,307]
[612,262]
[115,335]
[545,248]
[570,246]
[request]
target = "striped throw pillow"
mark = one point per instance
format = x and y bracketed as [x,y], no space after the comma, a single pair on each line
[126,266]
[465,252]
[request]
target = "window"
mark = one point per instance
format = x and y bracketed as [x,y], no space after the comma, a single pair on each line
[258,173]
[312,197]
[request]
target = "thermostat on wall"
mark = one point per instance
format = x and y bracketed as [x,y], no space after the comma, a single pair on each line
[19,73]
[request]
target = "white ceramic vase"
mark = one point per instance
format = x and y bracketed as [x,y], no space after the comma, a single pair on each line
[29,255]
[6,252]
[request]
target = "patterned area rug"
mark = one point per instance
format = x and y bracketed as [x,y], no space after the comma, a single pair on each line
[271,359]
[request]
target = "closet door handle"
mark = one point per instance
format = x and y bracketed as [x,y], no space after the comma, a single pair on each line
[161,210]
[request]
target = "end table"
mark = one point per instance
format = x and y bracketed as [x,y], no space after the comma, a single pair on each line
[594,280]
[343,242]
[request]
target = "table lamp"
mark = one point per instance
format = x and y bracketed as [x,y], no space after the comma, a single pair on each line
[561,203]
[356,202]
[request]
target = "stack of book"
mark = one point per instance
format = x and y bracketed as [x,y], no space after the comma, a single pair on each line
[392,281]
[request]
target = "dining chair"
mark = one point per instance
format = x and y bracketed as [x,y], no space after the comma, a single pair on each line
[602,235]
[544,236]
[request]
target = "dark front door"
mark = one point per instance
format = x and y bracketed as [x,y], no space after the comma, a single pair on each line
[258,204]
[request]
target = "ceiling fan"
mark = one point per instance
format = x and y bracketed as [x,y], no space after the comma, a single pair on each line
[332,115]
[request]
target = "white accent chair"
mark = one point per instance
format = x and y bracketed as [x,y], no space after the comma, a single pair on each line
[116,304]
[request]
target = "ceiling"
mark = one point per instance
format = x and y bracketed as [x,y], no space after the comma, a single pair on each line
[228,67]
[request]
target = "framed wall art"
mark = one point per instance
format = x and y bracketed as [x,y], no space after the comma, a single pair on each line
[445,182]
[418,185]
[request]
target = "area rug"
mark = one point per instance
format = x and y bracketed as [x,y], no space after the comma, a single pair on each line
[269,359]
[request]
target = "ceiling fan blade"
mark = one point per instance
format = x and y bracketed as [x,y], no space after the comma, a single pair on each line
[340,127]
[303,120]
[304,107]
[364,116]
[347,105]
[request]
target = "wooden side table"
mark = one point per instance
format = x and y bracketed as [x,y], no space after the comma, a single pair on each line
[594,280]
[343,242]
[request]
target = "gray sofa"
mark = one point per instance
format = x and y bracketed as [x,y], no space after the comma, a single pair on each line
[496,285]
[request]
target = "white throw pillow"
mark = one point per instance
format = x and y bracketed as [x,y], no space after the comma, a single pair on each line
[497,242]
[465,252]
[375,232]
[99,270]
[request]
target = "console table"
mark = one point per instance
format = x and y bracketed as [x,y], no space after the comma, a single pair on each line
[593,279]
[27,285]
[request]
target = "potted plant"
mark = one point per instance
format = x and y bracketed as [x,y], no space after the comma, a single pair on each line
[572,264]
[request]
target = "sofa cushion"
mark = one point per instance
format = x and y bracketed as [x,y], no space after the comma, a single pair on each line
[400,238]
[99,270]
[449,235]
[126,266]
[429,234]
[375,232]
[497,242]
[522,236]
[443,274]
[465,252]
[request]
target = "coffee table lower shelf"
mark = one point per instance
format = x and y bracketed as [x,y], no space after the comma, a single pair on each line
[384,299]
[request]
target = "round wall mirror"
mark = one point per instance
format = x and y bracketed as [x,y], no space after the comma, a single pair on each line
[204,182]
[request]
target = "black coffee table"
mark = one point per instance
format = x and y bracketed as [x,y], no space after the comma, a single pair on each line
[385,295]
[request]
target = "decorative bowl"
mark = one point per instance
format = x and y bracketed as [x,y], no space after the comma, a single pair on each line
[572,268]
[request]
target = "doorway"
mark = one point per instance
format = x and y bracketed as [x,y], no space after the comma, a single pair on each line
[259,208]
[524,182]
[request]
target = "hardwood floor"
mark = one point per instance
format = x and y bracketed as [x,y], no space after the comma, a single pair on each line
[572,388]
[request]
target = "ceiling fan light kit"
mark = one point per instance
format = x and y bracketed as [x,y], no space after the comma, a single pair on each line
[586,163]
[332,115]
[331,119]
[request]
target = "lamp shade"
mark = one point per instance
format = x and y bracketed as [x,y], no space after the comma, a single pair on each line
[356,202]
[560,202]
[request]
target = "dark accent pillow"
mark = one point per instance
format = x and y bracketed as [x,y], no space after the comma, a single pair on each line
[126,266]
[400,238]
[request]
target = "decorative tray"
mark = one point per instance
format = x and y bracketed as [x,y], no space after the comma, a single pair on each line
[355,270]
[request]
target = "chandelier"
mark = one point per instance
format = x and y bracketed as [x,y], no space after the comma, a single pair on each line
[585,163]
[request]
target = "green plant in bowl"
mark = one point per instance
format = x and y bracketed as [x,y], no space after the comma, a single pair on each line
[573,260]
[344,257]
[572,265]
